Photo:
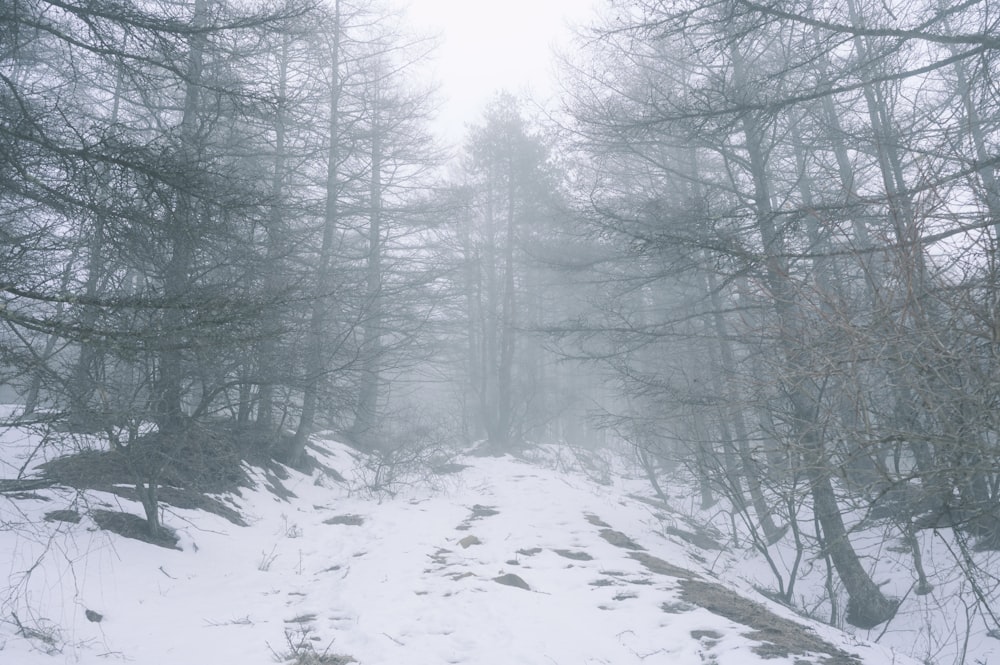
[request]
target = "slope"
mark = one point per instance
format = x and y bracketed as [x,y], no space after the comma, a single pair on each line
[501,561]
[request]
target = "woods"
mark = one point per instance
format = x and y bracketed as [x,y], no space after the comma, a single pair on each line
[807,192]
[754,242]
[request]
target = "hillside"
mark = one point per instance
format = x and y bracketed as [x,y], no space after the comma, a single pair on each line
[490,561]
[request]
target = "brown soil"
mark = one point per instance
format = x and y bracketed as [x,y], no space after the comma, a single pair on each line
[596,521]
[133,526]
[619,539]
[699,540]
[575,556]
[68,515]
[659,566]
[478,513]
[347,520]
[205,459]
[779,637]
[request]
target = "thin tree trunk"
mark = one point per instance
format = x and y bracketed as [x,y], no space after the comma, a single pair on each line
[867,606]
[315,360]
[365,416]
[267,361]
[508,320]
[492,321]
[734,412]
[474,326]
[183,222]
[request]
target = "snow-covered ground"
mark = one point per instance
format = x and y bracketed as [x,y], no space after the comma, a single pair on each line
[433,574]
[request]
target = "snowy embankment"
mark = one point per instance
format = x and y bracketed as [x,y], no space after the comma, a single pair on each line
[502,561]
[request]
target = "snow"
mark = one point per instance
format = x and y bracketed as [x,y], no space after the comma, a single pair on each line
[401,587]
[940,628]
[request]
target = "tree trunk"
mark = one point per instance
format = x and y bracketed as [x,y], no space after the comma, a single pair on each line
[366,415]
[315,360]
[867,606]
[508,320]
[734,412]
[491,321]
[267,361]
[183,222]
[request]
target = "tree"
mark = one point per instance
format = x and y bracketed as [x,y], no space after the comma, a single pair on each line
[401,159]
[127,171]
[723,84]
[511,194]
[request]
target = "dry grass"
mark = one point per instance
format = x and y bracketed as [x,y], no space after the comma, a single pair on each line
[778,637]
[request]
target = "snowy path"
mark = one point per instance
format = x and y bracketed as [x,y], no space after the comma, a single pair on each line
[420,583]
[408,580]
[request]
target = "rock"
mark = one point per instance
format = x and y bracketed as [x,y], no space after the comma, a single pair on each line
[576,556]
[511,579]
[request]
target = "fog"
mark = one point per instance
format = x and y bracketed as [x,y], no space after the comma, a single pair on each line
[749,250]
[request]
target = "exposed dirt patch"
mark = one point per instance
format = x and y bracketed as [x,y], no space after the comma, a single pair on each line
[697,539]
[616,538]
[660,567]
[274,473]
[17,486]
[302,618]
[135,527]
[649,501]
[596,521]
[618,578]
[478,513]
[448,468]
[676,607]
[779,637]
[328,471]
[187,466]
[71,516]
[575,556]
[204,458]
[27,496]
[347,520]
[440,556]
[697,534]
[89,469]
[619,539]
[186,499]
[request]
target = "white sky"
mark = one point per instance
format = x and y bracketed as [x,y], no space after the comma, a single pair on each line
[489,45]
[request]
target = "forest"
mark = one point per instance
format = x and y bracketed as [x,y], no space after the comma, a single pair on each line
[754,247]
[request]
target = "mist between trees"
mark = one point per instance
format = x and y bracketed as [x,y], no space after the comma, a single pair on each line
[757,242]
